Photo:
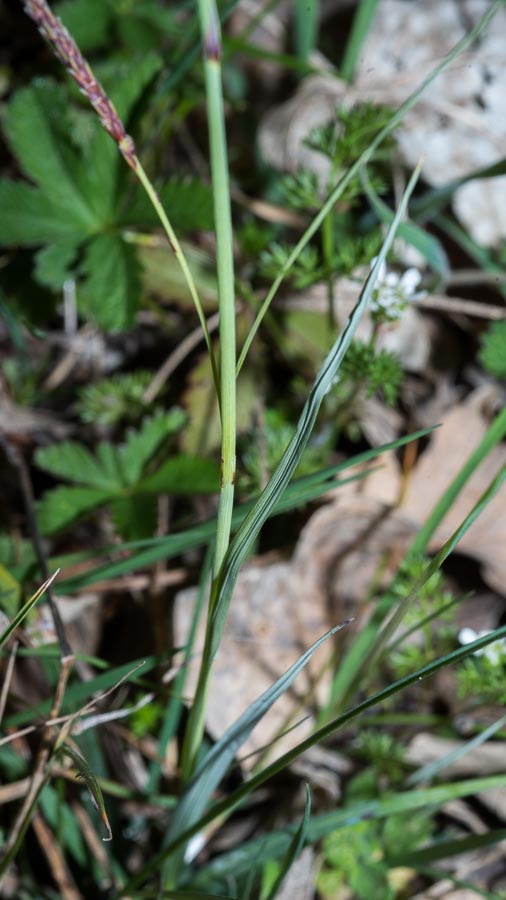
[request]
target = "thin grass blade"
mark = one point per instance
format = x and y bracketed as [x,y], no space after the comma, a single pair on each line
[217,762]
[240,546]
[432,769]
[25,609]
[258,851]
[294,849]
[251,526]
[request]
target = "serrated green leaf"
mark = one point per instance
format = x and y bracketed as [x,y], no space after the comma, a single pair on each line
[187,201]
[112,289]
[126,82]
[135,517]
[140,445]
[53,263]
[29,217]
[63,505]
[87,20]
[100,171]
[108,458]
[35,134]
[74,462]
[183,475]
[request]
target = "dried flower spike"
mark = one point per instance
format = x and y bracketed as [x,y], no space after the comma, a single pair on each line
[67,51]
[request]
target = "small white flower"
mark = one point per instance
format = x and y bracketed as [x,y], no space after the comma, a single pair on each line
[494,652]
[393,292]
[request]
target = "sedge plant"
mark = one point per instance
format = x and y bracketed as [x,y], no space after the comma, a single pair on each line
[202,772]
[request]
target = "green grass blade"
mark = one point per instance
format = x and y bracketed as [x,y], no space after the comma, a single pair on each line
[211,36]
[25,609]
[374,635]
[435,199]
[418,859]
[362,22]
[432,769]
[80,692]
[429,246]
[306,20]
[260,850]
[294,849]
[174,708]
[397,803]
[251,526]
[356,167]
[85,772]
[495,433]
[436,563]
[239,548]
[481,255]
[217,762]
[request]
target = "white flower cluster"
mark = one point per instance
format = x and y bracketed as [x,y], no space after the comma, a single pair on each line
[494,652]
[393,292]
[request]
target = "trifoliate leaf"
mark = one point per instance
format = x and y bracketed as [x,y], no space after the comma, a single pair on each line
[184,475]
[74,462]
[111,293]
[63,505]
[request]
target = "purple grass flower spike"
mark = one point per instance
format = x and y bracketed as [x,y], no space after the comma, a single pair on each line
[67,51]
